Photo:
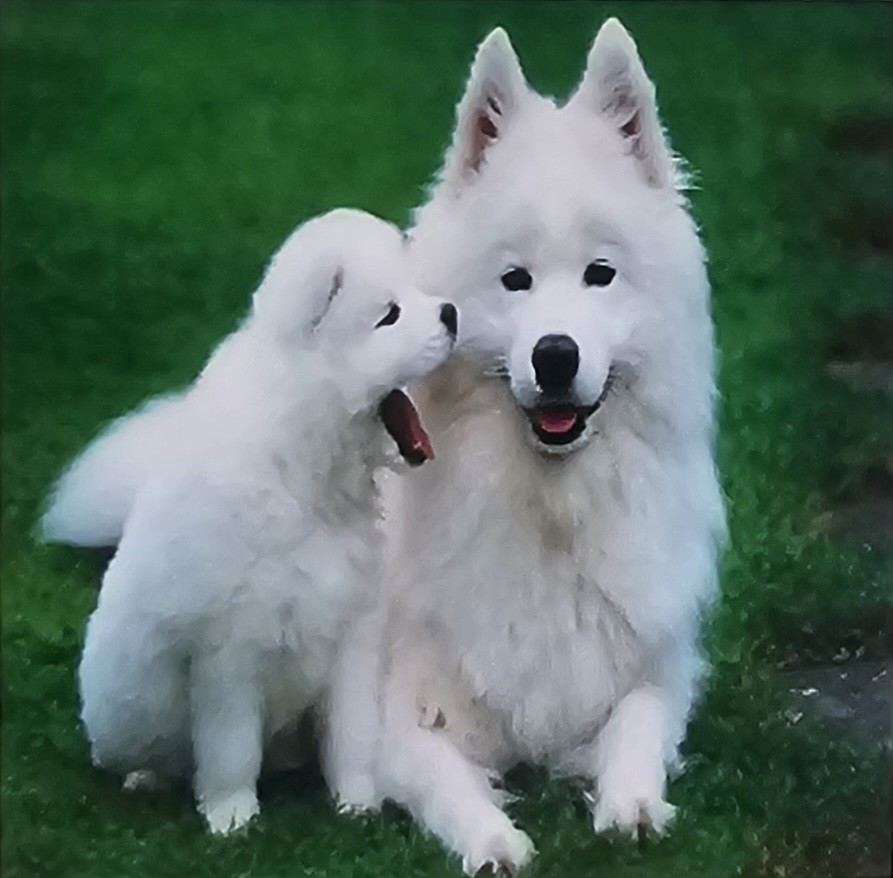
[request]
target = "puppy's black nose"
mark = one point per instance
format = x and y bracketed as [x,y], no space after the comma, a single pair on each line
[449,317]
[556,359]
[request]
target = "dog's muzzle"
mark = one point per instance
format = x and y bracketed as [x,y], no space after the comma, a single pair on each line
[556,359]
[559,418]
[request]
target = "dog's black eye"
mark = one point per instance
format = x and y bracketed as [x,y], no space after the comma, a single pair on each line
[391,317]
[598,274]
[517,279]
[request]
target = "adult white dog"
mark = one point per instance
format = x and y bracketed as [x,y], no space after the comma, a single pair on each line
[248,518]
[549,569]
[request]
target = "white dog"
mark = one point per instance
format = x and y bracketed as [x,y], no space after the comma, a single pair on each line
[548,571]
[248,520]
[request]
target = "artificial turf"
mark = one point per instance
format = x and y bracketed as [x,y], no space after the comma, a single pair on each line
[154,155]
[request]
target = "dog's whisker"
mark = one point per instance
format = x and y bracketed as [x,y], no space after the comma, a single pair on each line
[497,369]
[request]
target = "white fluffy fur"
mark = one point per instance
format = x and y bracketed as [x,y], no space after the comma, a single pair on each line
[542,604]
[247,518]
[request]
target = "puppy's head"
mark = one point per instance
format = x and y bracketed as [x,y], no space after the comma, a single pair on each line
[340,288]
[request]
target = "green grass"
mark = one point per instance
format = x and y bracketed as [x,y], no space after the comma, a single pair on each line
[154,155]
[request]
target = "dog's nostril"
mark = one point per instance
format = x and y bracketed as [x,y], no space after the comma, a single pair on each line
[449,317]
[556,359]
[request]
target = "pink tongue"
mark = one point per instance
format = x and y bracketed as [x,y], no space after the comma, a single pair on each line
[555,422]
[403,423]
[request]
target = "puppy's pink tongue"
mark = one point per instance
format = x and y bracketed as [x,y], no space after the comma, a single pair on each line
[556,422]
[402,421]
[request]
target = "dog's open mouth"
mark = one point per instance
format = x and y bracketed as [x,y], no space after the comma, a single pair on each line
[560,422]
[402,421]
[556,424]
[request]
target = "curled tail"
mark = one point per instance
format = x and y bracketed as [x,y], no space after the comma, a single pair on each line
[93,497]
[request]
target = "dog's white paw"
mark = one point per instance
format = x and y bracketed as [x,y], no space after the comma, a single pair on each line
[143,780]
[630,812]
[230,811]
[357,795]
[504,852]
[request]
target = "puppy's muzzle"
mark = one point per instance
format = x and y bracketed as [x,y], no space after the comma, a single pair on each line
[449,317]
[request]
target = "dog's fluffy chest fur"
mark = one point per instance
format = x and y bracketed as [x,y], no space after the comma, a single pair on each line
[552,613]
[552,665]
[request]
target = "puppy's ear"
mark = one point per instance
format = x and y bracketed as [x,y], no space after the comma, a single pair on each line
[496,87]
[297,292]
[616,86]
[322,305]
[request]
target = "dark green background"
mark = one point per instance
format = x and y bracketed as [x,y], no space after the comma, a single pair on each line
[154,155]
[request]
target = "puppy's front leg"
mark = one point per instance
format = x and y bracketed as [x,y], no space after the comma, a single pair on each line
[352,717]
[227,740]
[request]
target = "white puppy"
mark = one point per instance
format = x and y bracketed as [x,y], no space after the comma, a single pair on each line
[248,523]
[549,569]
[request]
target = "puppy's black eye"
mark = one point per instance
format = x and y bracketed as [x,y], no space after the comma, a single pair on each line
[517,279]
[391,317]
[598,274]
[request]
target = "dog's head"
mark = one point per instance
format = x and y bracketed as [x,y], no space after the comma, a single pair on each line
[562,234]
[340,289]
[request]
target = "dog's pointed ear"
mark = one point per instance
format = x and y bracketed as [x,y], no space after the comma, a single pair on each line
[616,86]
[496,87]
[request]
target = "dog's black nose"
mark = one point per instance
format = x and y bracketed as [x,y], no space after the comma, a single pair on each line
[449,317]
[556,359]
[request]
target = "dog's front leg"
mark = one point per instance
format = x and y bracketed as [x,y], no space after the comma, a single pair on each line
[450,796]
[227,740]
[352,717]
[629,761]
